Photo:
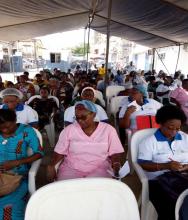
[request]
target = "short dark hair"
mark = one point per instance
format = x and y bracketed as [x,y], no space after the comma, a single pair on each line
[26,73]
[169,112]
[38,75]
[7,115]
[45,88]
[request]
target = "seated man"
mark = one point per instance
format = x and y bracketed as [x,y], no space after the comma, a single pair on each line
[164,89]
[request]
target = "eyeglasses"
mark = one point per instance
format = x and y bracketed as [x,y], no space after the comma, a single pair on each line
[170,128]
[82,118]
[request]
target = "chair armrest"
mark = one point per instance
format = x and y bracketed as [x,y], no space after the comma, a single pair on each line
[32,176]
[144,181]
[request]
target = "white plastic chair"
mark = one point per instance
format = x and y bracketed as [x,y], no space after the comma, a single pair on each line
[83,199]
[115,104]
[99,96]
[112,91]
[148,211]
[39,97]
[34,167]
[179,203]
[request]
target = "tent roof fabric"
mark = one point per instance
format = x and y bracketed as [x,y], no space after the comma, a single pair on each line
[155,23]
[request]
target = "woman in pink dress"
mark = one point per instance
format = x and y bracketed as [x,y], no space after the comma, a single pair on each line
[87,148]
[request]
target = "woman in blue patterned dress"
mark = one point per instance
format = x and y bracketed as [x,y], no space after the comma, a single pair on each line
[14,142]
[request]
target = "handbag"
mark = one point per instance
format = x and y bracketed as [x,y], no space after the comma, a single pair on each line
[9,182]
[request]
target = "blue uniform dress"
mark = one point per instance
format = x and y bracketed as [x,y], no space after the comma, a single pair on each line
[12,206]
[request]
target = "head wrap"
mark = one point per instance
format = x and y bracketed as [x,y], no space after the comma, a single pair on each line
[142,89]
[11,92]
[89,88]
[90,106]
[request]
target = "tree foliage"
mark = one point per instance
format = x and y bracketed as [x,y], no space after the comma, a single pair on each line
[79,50]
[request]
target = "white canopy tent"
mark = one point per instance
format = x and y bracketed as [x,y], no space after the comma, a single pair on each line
[155,23]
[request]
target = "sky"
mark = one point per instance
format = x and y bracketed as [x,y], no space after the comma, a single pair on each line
[63,40]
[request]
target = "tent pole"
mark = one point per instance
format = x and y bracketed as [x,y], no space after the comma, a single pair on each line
[162,61]
[153,62]
[88,38]
[178,58]
[84,42]
[107,43]
[35,54]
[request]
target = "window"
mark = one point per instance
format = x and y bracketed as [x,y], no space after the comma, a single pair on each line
[55,57]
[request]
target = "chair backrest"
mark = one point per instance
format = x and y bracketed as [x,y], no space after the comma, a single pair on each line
[83,199]
[55,99]
[39,97]
[39,135]
[113,91]
[137,137]
[115,104]
[179,203]
[146,121]
[31,99]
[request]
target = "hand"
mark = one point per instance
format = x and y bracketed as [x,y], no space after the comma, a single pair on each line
[176,166]
[131,109]
[51,173]
[8,165]
[185,167]
[116,167]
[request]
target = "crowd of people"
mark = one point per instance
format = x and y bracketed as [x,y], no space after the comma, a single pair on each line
[88,146]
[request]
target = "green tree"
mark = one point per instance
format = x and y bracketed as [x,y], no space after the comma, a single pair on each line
[79,50]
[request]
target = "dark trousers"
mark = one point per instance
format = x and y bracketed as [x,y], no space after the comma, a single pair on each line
[162,201]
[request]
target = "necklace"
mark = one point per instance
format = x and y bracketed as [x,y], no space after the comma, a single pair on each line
[4,142]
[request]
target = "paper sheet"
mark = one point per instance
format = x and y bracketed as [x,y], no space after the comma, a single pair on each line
[134,103]
[124,171]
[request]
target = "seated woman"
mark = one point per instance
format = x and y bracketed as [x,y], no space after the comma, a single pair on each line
[87,148]
[44,106]
[166,149]
[12,100]
[25,87]
[136,105]
[87,93]
[14,142]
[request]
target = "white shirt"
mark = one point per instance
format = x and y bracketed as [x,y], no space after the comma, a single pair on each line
[164,88]
[150,108]
[25,114]
[70,114]
[158,150]
[177,82]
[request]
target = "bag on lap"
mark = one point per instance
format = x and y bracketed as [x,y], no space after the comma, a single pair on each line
[9,183]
